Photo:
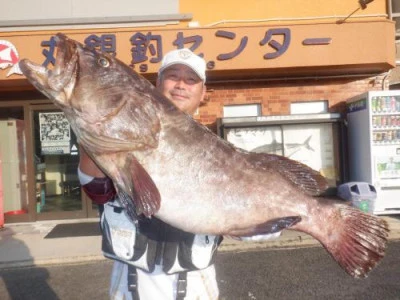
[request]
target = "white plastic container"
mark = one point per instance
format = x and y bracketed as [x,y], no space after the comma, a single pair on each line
[361,194]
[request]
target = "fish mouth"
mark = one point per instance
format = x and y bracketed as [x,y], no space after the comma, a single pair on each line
[58,83]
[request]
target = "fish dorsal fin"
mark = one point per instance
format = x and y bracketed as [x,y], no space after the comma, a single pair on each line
[141,188]
[305,178]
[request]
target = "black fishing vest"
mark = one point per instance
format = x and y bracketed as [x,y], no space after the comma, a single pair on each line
[152,242]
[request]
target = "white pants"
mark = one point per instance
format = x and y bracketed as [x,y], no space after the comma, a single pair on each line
[201,284]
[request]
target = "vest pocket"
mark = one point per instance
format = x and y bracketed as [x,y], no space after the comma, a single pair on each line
[119,231]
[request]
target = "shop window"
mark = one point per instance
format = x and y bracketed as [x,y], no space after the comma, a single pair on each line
[309,107]
[242,110]
[56,163]
[395,15]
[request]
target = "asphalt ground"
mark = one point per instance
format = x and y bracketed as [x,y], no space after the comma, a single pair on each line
[25,244]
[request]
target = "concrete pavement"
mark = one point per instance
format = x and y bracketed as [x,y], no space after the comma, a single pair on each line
[24,244]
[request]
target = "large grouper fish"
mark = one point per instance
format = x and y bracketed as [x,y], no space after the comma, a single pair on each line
[180,172]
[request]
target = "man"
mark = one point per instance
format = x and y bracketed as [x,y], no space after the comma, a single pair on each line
[153,260]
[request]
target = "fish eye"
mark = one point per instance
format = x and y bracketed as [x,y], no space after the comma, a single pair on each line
[104,62]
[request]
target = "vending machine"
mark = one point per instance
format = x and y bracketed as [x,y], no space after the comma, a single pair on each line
[374,145]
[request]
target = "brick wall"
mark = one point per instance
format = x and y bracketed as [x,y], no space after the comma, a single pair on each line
[275,96]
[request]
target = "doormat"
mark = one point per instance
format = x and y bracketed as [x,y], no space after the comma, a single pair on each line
[74,230]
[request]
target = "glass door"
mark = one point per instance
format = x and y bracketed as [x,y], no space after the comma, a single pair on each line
[56,158]
[14,199]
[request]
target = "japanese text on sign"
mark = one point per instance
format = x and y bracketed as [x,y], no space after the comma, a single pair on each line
[147,47]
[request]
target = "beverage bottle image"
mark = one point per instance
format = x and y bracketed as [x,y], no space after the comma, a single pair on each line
[373,104]
[393,104]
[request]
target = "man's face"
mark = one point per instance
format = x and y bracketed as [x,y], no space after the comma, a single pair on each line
[183,87]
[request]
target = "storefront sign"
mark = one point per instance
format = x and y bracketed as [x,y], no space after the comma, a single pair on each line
[147,47]
[9,58]
[254,48]
[55,133]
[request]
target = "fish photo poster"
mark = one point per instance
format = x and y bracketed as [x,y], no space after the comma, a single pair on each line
[267,139]
[310,144]
[55,133]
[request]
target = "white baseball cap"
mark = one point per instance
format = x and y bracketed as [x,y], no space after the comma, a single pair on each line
[184,57]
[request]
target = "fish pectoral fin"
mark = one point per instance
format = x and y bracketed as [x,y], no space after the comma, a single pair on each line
[269,227]
[128,203]
[144,192]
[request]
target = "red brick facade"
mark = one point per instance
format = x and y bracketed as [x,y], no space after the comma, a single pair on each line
[275,96]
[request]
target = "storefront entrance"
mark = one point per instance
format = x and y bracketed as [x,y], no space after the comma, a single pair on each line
[39,161]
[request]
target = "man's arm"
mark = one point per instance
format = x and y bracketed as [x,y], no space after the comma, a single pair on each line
[99,188]
[88,166]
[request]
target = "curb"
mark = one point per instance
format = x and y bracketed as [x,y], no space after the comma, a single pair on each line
[51,261]
[300,242]
[287,240]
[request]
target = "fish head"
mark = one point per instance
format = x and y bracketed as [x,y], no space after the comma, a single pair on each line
[83,82]
[108,105]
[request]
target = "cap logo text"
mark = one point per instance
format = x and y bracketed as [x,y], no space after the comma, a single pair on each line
[184,54]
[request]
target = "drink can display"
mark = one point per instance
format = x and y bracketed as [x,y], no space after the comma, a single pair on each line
[393,121]
[392,104]
[378,121]
[383,104]
[383,121]
[397,104]
[373,104]
[379,103]
[387,104]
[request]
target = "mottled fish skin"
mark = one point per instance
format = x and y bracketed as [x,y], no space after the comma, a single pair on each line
[177,170]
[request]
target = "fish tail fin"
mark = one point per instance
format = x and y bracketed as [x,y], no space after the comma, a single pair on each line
[307,144]
[358,243]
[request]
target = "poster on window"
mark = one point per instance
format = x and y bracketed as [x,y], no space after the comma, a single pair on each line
[55,133]
[310,144]
[257,139]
